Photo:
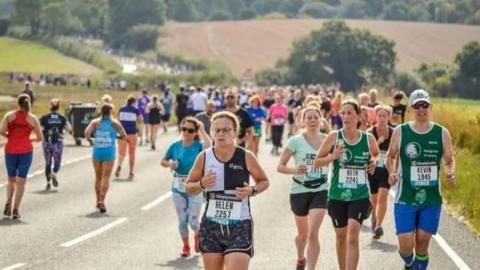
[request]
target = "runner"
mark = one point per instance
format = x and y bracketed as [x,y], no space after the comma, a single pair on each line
[267,103]
[16,127]
[167,102]
[105,130]
[293,105]
[155,111]
[142,104]
[278,113]
[180,157]
[206,117]
[257,114]
[128,116]
[353,153]
[53,125]
[226,229]
[308,192]
[420,146]
[181,110]
[245,133]
[379,180]
[398,109]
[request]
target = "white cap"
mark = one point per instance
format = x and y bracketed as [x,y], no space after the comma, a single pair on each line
[419,95]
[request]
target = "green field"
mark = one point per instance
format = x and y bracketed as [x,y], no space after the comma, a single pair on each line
[24,56]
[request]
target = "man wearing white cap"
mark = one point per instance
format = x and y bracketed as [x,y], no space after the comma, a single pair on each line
[413,160]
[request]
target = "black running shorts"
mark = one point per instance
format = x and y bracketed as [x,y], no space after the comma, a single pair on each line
[225,239]
[301,203]
[341,211]
[378,180]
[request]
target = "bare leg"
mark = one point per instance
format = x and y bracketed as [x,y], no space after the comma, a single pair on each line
[353,251]
[381,205]
[315,218]
[302,234]
[236,261]
[341,245]
[212,261]
[19,190]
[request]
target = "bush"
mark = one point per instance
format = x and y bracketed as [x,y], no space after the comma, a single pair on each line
[353,10]
[407,82]
[221,15]
[247,14]
[270,77]
[318,10]
[274,16]
[142,37]
[4,24]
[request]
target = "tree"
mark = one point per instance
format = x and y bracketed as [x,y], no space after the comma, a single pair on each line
[181,10]
[467,81]
[267,6]
[397,11]
[337,53]
[124,14]
[247,14]
[93,16]
[291,7]
[56,18]
[220,15]
[318,10]
[26,13]
[142,37]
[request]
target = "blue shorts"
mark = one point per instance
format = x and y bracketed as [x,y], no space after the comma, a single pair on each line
[145,119]
[18,164]
[410,218]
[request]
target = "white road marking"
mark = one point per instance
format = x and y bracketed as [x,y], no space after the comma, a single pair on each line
[15,266]
[157,201]
[2,185]
[94,233]
[457,260]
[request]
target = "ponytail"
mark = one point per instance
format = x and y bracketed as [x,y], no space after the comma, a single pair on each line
[23,102]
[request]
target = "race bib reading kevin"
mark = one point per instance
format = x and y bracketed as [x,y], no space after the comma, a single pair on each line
[424,176]
[352,178]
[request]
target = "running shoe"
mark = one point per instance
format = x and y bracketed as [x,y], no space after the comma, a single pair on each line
[408,267]
[101,207]
[185,251]
[301,263]
[373,224]
[378,233]
[53,176]
[131,176]
[8,210]
[15,214]
[47,188]
[196,238]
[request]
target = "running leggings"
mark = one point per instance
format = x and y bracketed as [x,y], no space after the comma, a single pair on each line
[53,154]
[188,211]
[277,134]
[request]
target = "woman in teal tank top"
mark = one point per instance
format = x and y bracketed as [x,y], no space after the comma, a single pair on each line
[104,130]
[309,187]
[354,153]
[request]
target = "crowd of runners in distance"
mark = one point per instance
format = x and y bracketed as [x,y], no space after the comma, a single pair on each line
[347,153]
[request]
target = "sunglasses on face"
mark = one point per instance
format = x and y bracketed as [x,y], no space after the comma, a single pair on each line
[421,105]
[188,130]
[222,130]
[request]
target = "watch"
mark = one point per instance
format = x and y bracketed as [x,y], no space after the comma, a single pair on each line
[254,191]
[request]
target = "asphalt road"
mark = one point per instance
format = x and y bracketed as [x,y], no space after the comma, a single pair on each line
[61,229]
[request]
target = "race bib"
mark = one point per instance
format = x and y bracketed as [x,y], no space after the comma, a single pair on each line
[424,176]
[224,208]
[316,173]
[382,159]
[352,178]
[179,182]
[279,121]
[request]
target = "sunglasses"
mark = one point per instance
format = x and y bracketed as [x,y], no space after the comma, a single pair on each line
[421,105]
[188,130]
[231,97]
[223,130]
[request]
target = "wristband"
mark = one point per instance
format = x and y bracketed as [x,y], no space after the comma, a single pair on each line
[254,191]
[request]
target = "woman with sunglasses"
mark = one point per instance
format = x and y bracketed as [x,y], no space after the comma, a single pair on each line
[379,180]
[226,230]
[308,192]
[180,157]
[354,153]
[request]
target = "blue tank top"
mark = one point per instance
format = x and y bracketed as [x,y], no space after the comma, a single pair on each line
[104,137]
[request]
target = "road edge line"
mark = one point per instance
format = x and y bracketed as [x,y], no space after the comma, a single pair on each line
[157,201]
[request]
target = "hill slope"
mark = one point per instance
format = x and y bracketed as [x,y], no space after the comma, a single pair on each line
[259,44]
[25,56]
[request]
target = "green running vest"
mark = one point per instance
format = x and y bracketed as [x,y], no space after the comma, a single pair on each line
[420,157]
[349,180]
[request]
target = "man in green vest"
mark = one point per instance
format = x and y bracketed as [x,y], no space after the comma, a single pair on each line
[413,160]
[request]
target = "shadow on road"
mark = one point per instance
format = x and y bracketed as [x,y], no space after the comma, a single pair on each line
[384,247]
[182,263]
[97,215]
[45,192]
[124,180]
[11,222]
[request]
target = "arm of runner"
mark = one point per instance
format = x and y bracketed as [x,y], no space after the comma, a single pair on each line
[4,126]
[327,125]
[89,130]
[374,153]
[36,128]
[282,164]
[197,181]
[121,132]
[258,175]
[207,141]
[392,157]
[324,154]
[448,157]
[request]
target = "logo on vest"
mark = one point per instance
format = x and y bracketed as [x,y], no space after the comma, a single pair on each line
[235,167]
[346,156]
[413,150]
[421,196]
[347,195]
